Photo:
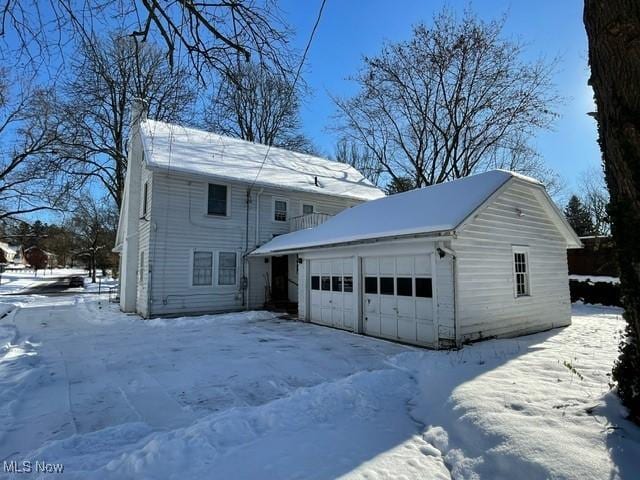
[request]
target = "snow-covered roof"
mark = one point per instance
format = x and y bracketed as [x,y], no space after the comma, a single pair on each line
[186,150]
[430,210]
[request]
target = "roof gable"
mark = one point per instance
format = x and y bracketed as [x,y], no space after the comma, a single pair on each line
[436,209]
[187,150]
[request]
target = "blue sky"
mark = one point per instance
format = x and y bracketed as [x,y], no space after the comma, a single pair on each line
[350,29]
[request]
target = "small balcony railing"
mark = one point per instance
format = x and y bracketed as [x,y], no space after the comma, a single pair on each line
[309,220]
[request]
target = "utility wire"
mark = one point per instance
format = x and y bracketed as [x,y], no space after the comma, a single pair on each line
[293,86]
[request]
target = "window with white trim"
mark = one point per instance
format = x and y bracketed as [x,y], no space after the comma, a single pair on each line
[217,199]
[141,271]
[521,271]
[307,209]
[145,196]
[280,210]
[226,268]
[202,268]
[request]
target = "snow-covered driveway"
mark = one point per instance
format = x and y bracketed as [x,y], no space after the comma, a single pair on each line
[253,396]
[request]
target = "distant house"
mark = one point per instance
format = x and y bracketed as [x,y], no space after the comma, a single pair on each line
[596,258]
[195,204]
[480,257]
[8,252]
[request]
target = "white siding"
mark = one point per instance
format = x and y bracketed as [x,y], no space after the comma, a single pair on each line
[444,295]
[144,242]
[487,305]
[180,225]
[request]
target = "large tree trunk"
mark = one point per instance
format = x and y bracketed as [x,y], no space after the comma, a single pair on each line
[613,28]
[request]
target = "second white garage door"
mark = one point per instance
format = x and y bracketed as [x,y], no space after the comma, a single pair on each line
[398,298]
[331,294]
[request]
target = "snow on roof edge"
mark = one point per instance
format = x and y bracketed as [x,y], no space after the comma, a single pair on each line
[154,164]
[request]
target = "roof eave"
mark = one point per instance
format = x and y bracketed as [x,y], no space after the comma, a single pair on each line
[364,241]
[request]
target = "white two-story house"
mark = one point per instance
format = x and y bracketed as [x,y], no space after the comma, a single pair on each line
[196,203]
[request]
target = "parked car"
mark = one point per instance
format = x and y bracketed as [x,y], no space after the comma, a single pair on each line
[76,281]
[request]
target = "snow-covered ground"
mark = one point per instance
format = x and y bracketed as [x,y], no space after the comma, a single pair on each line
[250,395]
[594,278]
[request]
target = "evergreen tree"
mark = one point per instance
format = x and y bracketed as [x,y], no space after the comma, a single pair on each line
[579,217]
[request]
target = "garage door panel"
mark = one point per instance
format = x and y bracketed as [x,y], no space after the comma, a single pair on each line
[404,265]
[423,265]
[424,308]
[426,332]
[370,266]
[407,329]
[387,265]
[331,305]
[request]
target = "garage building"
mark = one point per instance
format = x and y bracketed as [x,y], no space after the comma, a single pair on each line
[480,257]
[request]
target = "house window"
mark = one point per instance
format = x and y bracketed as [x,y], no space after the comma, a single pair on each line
[217,200]
[141,271]
[280,210]
[336,284]
[386,285]
[326,283]
[307,209]
[315,282]
[226,268]
[202,268]
[145,192]
[404,287]
[371,285]
[347,284]
[521,271]
[424,288]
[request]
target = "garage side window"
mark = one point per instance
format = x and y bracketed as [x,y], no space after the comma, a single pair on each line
[315,282]
[371,285]
[424,288]
[521,271]
[202,268]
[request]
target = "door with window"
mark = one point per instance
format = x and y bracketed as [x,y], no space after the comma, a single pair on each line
[331,293]
[398,298]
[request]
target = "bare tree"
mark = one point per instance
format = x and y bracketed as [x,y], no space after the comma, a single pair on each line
[258,104]
[595,198]
[447,102]
[93,225]
[212,35]
[352,153]
[107,75]
[612,29]
[29,132]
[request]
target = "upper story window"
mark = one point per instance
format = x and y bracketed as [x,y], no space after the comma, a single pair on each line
[307,209]
[217,200]
[280,207]
[145,196]
[521,271]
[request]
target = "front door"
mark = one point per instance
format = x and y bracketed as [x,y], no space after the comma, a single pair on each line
[280,279]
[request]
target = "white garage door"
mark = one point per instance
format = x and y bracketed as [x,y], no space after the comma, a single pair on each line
[331,293]
[398,301]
